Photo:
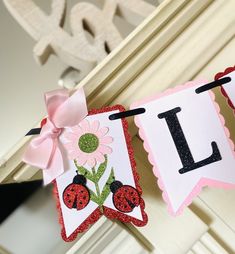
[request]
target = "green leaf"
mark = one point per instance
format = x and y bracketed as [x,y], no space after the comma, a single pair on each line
[106,189]
[94,198]
[85,172]
[101,169]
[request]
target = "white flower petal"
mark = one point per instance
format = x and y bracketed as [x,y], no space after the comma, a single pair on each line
[99,157]
[95,126]
[106,140]
[102,132]
[70,136]
[85,126]
[105,149]
[81,160]
[91,162]
[74,154]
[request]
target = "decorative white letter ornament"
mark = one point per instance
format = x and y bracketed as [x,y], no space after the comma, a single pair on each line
[187,142]
[86,20]
[228,89]
[101,175]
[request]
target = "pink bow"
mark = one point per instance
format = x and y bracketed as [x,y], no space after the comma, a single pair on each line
[63,111]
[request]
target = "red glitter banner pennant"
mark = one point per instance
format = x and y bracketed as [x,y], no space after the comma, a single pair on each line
[228,89]
[101,177]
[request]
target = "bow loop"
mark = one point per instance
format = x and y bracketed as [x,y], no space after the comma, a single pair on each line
[75,105]
[63,111]
[54,99]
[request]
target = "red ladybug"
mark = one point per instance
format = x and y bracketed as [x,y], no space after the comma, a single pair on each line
[76,195]
[125,197]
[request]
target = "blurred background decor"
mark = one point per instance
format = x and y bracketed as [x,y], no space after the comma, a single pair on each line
[80,34]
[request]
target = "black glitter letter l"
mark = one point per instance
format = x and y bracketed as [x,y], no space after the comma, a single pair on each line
[182,145]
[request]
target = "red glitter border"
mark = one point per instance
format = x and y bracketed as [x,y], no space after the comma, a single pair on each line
[220,75]
[108,212]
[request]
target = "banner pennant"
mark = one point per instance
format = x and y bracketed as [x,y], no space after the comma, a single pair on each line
[101,177]
[187,142]
[228,89]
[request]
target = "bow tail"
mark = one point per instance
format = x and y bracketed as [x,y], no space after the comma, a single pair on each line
[38,152]
[55,169]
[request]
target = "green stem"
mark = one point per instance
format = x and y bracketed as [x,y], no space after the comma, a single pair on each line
[97,189]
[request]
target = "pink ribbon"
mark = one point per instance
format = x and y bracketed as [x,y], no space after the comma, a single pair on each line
[63,111]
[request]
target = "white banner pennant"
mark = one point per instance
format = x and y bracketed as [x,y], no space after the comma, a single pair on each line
[187,142]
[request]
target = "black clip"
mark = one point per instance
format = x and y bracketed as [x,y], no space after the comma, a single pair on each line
[127,113]
[213,84]
[34,131]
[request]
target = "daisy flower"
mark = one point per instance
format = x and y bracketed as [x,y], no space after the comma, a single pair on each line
[88,143]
